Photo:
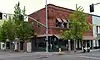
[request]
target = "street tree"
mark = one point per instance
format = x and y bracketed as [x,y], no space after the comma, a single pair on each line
[78,24]
[7,30]
[24,30]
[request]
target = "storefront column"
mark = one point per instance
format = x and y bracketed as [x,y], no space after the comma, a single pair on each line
[69,47]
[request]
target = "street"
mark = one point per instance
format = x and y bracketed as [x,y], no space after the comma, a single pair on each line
[40,56]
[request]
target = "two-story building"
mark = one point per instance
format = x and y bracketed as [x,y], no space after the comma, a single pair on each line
[57,21]
[96,31]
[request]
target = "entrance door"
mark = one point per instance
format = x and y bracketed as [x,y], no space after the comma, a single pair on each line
[21,45]
[88,43]
[99,43]
[7,45]
[53,44]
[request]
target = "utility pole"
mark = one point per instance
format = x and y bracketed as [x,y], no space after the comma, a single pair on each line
[46,27]
[75,34]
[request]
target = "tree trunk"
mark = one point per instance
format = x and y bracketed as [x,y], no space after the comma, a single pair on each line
[25,46]
[74,45]
[10,46]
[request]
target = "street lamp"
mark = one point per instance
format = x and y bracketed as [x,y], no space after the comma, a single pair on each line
[46,27]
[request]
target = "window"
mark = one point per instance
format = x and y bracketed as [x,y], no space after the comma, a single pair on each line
[98,29]
[0,15]
[58,22]
[65,23]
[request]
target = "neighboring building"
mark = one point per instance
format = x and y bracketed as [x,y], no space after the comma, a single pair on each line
[57,21]
[5,17]
[96,30]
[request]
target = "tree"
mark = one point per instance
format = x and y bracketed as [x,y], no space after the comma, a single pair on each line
[18,14]
[78,26]
[7,30]
[16,27]
[24,30]
[2,35]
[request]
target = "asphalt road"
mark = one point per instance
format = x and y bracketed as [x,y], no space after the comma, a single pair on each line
[41,56]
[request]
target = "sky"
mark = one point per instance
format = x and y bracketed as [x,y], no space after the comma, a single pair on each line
[7,6]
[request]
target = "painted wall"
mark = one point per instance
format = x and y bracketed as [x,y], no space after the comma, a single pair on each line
[96,22]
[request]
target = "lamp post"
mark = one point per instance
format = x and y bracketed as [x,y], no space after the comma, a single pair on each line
[46,27]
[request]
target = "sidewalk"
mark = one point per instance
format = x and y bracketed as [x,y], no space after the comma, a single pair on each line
[94,50]
[62,53]
[51,53]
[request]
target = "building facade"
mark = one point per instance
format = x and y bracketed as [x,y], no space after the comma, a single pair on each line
[57,21]
[96,31]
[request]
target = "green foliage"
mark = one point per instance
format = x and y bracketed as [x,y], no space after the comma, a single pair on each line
[18,14]
[24,31]
[2,35]
[67,35]
[16,27]
[78,25]
[7,31]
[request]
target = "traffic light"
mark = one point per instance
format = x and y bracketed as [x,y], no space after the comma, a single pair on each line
[0,15]
[92,8]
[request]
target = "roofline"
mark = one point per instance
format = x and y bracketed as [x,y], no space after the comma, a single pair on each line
[36,11]
[52,5]
[62,8]
[95,15]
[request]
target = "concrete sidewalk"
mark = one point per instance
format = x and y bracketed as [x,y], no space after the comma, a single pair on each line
[53,53]
[61,53]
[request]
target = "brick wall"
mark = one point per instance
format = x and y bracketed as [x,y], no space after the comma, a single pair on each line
[53,13]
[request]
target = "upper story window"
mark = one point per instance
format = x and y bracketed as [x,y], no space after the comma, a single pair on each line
[5,16]
[63,23]
[58,22]
[0,15]
[98,29]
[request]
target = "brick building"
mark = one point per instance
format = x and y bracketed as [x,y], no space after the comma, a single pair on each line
[57,21]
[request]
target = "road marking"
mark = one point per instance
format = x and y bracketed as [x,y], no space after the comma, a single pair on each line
[89,57]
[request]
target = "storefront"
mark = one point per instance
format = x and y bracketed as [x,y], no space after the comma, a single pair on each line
[39,43]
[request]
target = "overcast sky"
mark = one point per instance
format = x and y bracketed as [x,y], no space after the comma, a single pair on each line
[7,6]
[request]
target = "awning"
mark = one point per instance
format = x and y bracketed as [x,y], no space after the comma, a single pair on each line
[88,38]
[65,21]
[44,35]
[59,20]
[59,37]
